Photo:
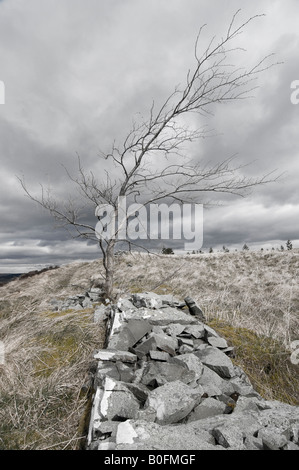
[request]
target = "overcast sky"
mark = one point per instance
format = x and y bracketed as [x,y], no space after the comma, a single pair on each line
[77,71]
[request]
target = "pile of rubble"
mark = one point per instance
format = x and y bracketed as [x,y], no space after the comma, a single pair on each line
[79,301]
[166,381]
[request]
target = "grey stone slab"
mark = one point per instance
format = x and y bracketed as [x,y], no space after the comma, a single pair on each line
[165,342]
[140,391]
[106,445]
[106,369]
[194,309]
[159,356]
[118,402]
[229,437]
[145,347]
[106,429]
[253,443]
[192,362]
[161,317]
[197,331]
[115,355]
[246,404]
[168,299]
[172,401]
[123,340]
[207,408]
[174,329]
[213,384]
[187,341]
[210,332]
[144,435]
[147,299]
[131,332]
[100,313]
[217,361]
[115,370]
[124,304]
[291,446]
[217,342]
[272,439]
[138,329]
[162,372]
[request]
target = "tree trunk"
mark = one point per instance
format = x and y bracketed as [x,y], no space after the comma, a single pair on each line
[109,268]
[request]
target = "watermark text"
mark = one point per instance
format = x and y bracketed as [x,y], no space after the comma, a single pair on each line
[295,94]
[151,222]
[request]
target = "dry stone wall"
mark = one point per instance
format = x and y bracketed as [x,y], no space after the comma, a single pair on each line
[166,381]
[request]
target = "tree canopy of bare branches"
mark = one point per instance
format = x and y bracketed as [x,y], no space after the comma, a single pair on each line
[151,164]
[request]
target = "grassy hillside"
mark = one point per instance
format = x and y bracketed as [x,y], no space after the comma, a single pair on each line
[251,298]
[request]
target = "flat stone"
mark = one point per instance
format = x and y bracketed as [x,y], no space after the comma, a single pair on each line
[87,303]
[197,343]
[197,331]
[175,329]
[192,362]
[246,404]
[213,384]
[106,445]
[217,361]
[187,341]
[229,437]
[168,299]
[100,313]
[217,342]
[145,347]
[115,370]
[147,299]
[159,356]
[160,373]
[242,387]
[140,391]
[106,428]
[208,407]
[118,402]
[185,348]
[172,401]
[124,304]
[194,309]
[106,369]
[272,439]
[138,329]
[210,332]
[144,435]
[162,317]
[115,355]
[290,446]
[253,443]
[130,334]
[165,343]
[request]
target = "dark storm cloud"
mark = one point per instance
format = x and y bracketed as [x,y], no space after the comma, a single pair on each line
[77,73]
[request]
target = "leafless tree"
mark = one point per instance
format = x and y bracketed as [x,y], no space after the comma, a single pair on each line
[164,135]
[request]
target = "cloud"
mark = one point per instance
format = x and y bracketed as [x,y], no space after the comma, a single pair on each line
[76,75]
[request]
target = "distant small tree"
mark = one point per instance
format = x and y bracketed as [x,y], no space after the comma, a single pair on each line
[167,251]
[289,245]
[281,248]
[245,247]
[211,250]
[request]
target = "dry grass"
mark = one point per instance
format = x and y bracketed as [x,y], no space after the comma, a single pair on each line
[251,298]
[254,290]
[44,388]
